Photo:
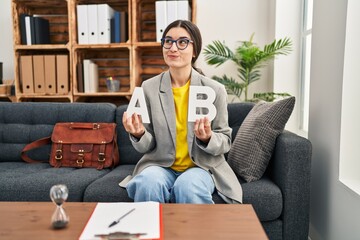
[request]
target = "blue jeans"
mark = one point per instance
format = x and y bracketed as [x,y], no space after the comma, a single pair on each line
[164,185]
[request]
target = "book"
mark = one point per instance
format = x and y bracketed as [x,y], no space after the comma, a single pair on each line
[41,30]
[115,27]
[23,28]
[119,27]
[30,30]
[80,77]
[138,220]
[86,75]
[94,77]
[123,27]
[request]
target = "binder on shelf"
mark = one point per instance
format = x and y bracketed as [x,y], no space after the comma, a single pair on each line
[80,77]
[171,11]
[30,30]
[91,76]
[123,27]
[105,14]
[41,30]
[39,73]
[161,18]
[183,10]
[119,27]
[23,28]
[82,24]
[26,74]
[62,74]
[92,23]
[94,77]
[50,74]
[168,11]
[86,67]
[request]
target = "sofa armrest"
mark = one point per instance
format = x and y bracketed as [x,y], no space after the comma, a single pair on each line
[290,170]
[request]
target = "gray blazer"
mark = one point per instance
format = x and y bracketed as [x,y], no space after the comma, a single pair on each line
[158,142]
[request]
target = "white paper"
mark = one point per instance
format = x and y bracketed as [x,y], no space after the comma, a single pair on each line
[144,219]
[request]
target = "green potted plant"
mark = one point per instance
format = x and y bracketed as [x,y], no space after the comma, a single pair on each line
[249,59]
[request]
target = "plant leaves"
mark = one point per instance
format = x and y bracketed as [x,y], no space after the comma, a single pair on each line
[217,53]
[231,85]
[249,59]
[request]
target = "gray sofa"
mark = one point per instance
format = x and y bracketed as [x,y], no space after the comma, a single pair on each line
[280,198]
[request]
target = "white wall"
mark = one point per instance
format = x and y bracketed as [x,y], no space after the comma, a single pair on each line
[286,78]
[6,40]
[350,116]
[335,210]
[232,21]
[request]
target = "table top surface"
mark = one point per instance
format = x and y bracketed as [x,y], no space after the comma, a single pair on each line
[31,220]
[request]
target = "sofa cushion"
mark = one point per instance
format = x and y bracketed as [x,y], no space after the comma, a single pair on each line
[261,195]
[255,139]
[20,181]
[107,189]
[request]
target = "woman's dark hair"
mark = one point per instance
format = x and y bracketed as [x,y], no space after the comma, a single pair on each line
[194,33]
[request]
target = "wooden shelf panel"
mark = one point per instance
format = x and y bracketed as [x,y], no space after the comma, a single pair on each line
[52,7]
[42,47]
[149,63]
[102,46]
[112,3]
[146,21]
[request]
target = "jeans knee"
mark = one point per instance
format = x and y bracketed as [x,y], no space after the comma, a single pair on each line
[148,187]
[191,192]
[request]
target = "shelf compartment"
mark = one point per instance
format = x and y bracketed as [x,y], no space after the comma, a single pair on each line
[111,62]
[117,5]
[19,82]
[55,11]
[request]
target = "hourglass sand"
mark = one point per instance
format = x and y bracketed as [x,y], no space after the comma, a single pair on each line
[58,194]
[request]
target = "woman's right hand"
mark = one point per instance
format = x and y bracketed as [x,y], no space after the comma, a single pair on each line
[133,125]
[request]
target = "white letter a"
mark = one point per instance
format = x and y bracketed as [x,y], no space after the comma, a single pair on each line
[137,105]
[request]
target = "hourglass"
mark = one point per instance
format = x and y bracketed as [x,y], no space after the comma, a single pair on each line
[58,194]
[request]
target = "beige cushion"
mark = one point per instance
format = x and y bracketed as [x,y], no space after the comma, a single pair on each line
[255,141]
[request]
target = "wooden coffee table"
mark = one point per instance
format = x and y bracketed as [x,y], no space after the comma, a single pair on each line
[31,220]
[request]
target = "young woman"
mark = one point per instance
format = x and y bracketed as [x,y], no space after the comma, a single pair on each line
[183,161]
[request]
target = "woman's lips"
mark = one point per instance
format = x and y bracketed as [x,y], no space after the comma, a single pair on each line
[172,56]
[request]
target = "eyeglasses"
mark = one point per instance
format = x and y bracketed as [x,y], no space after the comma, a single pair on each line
[181,43]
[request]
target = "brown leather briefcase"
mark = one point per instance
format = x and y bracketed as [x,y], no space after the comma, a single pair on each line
[79,144]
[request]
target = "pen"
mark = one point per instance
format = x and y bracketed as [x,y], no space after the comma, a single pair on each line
[118,220]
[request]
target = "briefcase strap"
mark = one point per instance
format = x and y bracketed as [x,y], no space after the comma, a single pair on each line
[38,143]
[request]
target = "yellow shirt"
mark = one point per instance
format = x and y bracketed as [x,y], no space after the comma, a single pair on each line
[182,158]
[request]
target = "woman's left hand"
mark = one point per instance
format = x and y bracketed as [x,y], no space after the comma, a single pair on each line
[202,129]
